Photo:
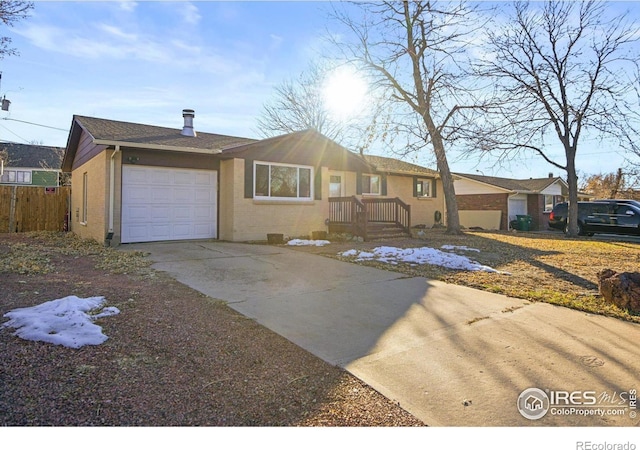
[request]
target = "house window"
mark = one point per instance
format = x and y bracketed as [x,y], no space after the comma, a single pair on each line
[549,202]
[85,196]
[17,176]
[282,181]
[371,184]
[424,188]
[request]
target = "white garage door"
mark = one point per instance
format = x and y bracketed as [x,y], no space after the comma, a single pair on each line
[164,204]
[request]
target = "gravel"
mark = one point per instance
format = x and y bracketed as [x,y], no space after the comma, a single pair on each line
[174,357]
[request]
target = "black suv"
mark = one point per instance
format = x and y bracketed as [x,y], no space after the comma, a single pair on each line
[609,216]
[619,201]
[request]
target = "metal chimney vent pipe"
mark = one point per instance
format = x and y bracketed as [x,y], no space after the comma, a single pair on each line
[188,130]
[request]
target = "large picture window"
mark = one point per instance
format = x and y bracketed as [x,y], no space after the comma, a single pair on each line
[282,181]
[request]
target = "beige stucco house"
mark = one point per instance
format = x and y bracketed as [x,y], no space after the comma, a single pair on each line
[139,183]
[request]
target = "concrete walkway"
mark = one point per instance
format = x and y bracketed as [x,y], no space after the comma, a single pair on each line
[450,355]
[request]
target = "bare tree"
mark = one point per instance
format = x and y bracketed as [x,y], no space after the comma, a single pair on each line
[562,69]
[11,11]
[619,184]
[300,104]
[415,51]
[4,156]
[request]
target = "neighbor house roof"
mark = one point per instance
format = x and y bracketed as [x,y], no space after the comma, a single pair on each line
[392,165]
[31,155]
[529,185]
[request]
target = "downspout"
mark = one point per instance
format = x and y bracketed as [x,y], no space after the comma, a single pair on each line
[112,193]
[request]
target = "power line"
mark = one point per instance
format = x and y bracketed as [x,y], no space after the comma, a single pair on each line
[14,134]
[36,124]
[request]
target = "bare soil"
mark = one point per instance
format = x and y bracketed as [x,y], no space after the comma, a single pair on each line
[174,357]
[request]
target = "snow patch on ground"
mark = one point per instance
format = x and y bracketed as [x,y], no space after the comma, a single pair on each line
[66,321]
[423,255]
[464,248]
[299,242]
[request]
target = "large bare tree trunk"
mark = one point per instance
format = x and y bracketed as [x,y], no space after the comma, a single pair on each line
[453,218]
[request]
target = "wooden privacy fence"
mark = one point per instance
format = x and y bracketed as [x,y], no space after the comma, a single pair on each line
[28,208]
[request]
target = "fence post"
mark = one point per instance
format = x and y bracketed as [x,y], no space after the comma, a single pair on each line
[12,209]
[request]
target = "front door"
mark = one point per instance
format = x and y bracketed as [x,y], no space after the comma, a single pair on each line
[336,184]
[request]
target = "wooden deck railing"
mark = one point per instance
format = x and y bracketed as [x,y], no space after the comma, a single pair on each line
[354,215]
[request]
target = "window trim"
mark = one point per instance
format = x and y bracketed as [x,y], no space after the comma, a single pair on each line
[422,181]
[17,174]
[268,198]
[370,175]
[85,198]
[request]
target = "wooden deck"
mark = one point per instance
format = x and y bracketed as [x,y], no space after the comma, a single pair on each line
[369,218]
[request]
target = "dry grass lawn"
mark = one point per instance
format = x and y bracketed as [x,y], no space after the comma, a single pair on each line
[547,267]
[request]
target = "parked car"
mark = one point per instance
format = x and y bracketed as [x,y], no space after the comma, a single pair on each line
[612,217]
[635,203]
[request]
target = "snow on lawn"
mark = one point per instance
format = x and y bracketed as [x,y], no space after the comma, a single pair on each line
[423,255]
[317,243]
[460,247]
[66,321]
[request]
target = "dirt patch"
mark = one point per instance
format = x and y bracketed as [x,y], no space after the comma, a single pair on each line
[174,357]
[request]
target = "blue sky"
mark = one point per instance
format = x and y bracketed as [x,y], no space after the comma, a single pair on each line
[146,61]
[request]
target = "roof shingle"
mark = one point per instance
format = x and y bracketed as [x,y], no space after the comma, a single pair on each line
[524,185]
[135,133]
[30,155]
[393,165]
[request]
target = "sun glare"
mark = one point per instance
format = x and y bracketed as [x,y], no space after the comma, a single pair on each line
[344,93]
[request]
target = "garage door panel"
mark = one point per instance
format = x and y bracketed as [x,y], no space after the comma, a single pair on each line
[138,193]
[202,179]
[202,213]
[137,213]
[159,194]
[137,231]
[181,195]
[183,178]
[168,204]
[159,232]
[183,231]
[182,213]
[136,176]
[202,229]
[160,213]
[203,196]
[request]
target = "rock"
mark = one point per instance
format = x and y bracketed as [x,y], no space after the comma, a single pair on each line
[621,289]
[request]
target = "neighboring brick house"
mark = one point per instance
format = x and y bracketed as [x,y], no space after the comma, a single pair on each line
[493,202]
[30,165]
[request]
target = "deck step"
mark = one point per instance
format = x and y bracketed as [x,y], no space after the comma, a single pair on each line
[377,231]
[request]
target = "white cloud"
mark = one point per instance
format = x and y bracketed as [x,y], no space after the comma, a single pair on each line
[128,5]
[190,13]
[117,32]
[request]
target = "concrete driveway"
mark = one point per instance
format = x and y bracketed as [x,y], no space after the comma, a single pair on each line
[450,355]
